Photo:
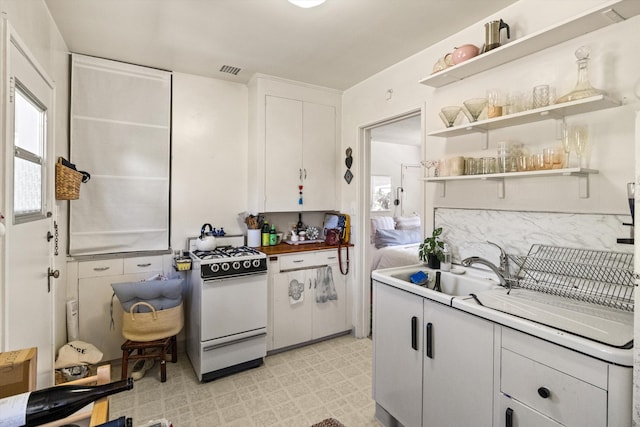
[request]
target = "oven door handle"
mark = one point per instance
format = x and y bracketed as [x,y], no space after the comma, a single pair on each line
[225,344]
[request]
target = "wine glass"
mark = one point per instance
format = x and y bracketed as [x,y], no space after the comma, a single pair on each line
[567,145]
[428,164]
[579,137]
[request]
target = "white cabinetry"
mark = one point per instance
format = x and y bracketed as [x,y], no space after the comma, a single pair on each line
[458,368]
[543,384]
[397,353]
[94,298]
[433,365]
[300,150]
[293,134]
[300,317]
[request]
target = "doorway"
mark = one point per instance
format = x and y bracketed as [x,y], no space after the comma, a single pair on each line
[392,150]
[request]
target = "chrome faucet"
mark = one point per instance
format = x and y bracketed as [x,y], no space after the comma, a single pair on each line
[502,271]
[468,262]
[504,260]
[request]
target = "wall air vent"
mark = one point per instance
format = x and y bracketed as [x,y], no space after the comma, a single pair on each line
[229,69]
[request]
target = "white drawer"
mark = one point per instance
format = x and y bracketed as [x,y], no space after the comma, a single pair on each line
[583,367]
[327,257]
[151,264]
[100,268]
[559,396]
[514,414]
[299,260]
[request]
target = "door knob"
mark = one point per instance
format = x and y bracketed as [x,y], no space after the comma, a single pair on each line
[51,273]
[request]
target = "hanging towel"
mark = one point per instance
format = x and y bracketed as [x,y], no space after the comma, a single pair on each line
[325,288]
[296,292]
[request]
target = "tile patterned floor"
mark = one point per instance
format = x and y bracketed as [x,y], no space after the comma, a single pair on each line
[296,388]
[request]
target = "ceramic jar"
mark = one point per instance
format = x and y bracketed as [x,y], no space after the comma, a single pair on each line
[464,52]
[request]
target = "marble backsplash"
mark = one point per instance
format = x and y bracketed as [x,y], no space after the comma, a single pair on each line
[468,230]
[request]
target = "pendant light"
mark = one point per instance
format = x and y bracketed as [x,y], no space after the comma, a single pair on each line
[306,3]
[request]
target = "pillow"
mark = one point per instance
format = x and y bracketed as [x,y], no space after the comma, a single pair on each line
[381,223]
[397,237]
[161,294]
[407,222]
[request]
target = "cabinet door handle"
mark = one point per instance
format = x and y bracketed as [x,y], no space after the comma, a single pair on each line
[300,174]
[101,268]
[146,264]
[429,343]
[305,173]
[414,333]
[544,392]
[508,416]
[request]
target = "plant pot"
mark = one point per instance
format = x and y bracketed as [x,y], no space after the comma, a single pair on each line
[433,262]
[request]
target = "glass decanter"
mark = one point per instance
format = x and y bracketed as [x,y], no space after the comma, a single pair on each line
[583,87]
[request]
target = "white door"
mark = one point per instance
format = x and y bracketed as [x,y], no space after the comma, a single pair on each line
[27,200]
[319,157]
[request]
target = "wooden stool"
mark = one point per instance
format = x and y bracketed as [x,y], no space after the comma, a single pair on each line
[165,345]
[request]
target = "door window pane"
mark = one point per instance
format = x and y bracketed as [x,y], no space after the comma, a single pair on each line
[29,143]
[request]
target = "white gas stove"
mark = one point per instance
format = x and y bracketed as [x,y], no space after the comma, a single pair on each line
[227,306]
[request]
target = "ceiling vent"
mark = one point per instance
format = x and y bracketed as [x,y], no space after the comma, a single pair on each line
[229,69]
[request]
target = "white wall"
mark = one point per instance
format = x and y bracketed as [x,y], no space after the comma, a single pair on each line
[209,155]
[613,67]
[387,159]
[32,22]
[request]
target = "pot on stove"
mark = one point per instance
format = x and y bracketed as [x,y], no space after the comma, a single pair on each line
[206,241]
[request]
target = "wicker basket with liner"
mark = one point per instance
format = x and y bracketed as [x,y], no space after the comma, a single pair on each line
[152,326]
[68,182]
[152,309]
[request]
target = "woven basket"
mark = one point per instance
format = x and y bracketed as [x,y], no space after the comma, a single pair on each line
[152,326]
[67,182]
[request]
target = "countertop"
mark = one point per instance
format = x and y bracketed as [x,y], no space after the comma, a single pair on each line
[284,248]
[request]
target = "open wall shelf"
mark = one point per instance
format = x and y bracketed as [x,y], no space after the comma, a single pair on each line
[603,15]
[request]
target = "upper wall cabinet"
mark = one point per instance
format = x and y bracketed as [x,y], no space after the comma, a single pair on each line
[293,146]
[605,14]
[300,150]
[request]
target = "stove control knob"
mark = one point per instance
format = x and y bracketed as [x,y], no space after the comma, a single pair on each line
[215,268]
[225,266]
[246,264]
[236,265]
[256,263]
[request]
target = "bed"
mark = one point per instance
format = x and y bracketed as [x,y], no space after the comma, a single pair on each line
[395,241]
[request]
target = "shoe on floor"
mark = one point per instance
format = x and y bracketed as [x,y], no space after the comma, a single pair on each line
[141,367]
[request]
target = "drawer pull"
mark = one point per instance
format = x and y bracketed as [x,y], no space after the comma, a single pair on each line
[544,392]
[429,343]
[101,268]
[298,260]
[508,416]
[414,333]
[146,264]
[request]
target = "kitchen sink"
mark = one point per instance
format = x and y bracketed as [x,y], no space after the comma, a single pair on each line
[459,284]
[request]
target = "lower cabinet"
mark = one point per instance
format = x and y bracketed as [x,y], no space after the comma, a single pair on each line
[398,348]
[308,298]
[457,368]
[94,299]
[543,384]
[433,365]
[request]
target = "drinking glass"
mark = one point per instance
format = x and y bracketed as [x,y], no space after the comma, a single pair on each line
[580,138]
[567,146]
[428,164]
[540,96]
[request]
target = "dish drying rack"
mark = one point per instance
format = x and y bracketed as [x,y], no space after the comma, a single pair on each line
[600,277]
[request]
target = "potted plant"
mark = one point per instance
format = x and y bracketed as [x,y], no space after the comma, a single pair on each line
[430,251]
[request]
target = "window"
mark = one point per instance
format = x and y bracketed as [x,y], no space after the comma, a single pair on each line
[29,148]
